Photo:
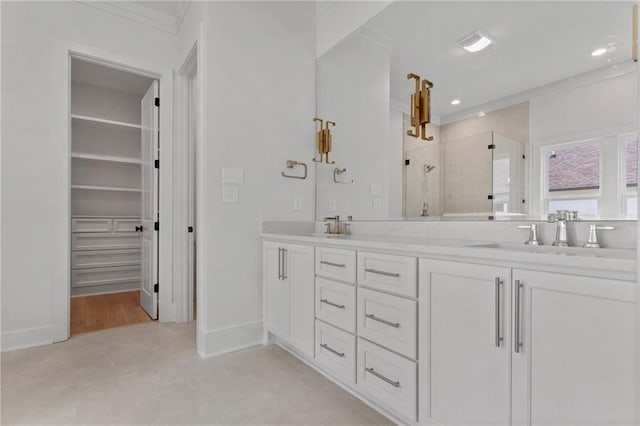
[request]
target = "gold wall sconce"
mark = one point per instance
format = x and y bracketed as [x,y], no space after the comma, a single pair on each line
[323,140]
[291,164]
[420,108]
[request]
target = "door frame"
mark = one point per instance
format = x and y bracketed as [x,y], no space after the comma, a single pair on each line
[61,292]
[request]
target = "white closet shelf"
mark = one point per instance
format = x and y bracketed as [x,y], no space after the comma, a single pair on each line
[105,188]
[105,121]
[111,158]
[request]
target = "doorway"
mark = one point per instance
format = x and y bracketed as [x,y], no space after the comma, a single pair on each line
[114,187]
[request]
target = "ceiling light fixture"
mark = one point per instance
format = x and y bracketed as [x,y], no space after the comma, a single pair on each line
[474,42]
[600,51]
[455,102]
[482,114]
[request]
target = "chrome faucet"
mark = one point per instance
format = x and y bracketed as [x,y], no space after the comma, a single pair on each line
[561,231]
[533,234]
[593,235]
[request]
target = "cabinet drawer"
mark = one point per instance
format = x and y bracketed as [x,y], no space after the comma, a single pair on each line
[336,351]
[336,303]
[105,258]
[126,225]
[396,274]
[91,241]
[91,225]
[337,264]
[389,379]
[105,276]
[388,320]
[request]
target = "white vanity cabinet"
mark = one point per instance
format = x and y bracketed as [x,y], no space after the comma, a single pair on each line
[577,350]
[289,299]
[464,343]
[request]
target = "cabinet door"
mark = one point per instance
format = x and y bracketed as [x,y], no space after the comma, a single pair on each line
[277,289]
[464,344]
[576,359]
[299,264]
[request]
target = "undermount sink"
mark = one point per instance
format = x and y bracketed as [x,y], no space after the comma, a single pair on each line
[323,235]
[567,251]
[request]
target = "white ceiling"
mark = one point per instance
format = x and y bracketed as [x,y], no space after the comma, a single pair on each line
[536,43]
[109,78]
[163,15]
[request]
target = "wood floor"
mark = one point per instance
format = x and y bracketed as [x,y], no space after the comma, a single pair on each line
[92,313]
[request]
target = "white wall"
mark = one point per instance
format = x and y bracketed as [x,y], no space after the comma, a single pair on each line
[260,102]
[35,197]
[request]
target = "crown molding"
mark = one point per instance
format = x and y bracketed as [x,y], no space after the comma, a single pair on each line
[142,14]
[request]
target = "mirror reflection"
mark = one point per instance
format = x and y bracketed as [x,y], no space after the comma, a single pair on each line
[533,109]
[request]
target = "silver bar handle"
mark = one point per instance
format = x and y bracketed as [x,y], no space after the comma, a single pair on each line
[328,302]
[383,321]
[516,339]
[327,347]
[284,265]
[498,338]
[339,265]
[388,274]
[279,263]
[393,383]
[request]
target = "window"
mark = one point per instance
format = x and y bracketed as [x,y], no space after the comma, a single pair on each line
[630,187]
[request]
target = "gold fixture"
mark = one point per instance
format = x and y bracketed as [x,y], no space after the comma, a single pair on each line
[634,42]
[323,140]
[338,172]
[291,164]
[420,108]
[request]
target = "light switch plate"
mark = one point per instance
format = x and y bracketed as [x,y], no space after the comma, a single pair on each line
[375,190]
[229,194]
[297,203]
[377,203]
[232,175]
[332,205]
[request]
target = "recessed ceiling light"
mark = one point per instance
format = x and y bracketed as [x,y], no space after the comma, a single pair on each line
[455,102]
[600,51]
[474,42]
[482,114]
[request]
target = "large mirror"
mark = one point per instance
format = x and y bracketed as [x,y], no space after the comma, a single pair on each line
[534,108]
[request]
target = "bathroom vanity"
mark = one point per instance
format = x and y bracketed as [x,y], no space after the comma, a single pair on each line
[454,331]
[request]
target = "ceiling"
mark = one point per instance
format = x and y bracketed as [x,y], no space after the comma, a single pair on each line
[163,15]
[536,43]
[109,78]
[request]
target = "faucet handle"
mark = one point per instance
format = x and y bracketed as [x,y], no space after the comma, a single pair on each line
[329,218]
[533,234]
[592,242]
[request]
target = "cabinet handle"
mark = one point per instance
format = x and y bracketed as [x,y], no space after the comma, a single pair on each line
[516,339]
[284,265]
[279,263]
[498,283]
[388,274]
[338,265]
[383,321]
[324,345]
[328,302]
[395,384]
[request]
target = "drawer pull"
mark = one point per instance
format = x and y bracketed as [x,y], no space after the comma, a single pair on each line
[337,265]
[328,302]
[388,274]
[383,321]
[383,378]
[327,347]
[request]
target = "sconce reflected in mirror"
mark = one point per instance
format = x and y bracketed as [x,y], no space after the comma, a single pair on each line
[323,140]
[420,108]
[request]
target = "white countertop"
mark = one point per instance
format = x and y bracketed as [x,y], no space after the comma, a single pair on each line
[602,262]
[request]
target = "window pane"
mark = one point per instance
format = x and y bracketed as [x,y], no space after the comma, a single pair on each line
[584,207]
[631,170]
[632,206]
[574,168]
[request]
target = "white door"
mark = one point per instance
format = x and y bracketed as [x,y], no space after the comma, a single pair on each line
[577,356]
[464,344]
[299,261]
[149,181]
[277,289]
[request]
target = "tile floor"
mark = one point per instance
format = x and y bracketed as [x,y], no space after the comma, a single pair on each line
[150,374]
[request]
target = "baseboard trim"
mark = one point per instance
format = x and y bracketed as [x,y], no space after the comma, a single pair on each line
[229,339]
[27,338]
